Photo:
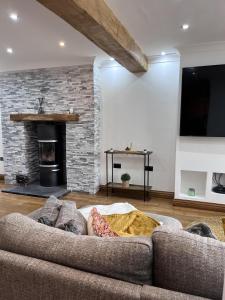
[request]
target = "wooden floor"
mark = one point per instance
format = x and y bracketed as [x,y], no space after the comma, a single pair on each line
[24,204]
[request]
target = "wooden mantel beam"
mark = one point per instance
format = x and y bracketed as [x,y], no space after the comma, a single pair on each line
[95,20]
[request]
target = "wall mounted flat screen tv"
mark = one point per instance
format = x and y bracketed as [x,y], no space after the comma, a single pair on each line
[203,101]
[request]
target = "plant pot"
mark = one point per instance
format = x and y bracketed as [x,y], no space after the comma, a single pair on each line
[125,184]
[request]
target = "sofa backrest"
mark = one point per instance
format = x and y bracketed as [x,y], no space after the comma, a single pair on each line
[27,278]
[188,263]
[128,259]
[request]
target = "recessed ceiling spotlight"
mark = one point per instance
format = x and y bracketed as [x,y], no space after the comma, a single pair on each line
[9,50]
[62,44]
[163,53]
[13,17]
[111,58]
[185,26]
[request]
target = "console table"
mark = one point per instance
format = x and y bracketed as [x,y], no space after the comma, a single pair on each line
[146,169]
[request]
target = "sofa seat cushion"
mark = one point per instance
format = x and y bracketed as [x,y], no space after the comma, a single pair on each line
[165,220]
[188,263]
[128,259]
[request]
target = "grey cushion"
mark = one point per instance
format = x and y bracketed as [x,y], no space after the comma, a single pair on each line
[188,263]
[70,219]
[128,259]
[48,214]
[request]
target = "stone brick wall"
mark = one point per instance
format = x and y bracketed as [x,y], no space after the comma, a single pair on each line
[98,122]
[63,88]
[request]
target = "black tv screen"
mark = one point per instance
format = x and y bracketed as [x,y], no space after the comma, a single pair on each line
[203,101]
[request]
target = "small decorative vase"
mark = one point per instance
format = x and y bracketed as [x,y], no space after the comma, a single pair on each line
[125,184]
[191,192]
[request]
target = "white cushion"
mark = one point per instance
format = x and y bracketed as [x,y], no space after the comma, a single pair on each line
[115,208]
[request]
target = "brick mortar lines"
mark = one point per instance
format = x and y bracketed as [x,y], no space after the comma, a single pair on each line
[63,88]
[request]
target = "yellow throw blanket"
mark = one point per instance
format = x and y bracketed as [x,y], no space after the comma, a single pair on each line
[132,224]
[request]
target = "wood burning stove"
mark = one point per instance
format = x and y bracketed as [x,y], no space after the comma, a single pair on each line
[51,154]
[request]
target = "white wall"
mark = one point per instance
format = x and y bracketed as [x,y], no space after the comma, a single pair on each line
[142,109]
[205,154]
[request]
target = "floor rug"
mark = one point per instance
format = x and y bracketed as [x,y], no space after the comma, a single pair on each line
[216,224]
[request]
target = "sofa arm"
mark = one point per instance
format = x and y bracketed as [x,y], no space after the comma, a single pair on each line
[155,293]
[188,263]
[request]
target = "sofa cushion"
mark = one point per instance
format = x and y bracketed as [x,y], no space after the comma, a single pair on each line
[115,208]
[128,259]
[48,214]
[188,263]
[98,226]
[70,219]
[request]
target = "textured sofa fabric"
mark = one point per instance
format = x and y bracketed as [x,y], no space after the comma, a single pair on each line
[27,278]
[188,263]
[155,293]
[128,259]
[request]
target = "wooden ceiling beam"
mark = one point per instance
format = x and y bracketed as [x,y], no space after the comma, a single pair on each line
[95,20]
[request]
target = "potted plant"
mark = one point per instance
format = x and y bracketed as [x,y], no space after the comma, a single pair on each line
[125,179]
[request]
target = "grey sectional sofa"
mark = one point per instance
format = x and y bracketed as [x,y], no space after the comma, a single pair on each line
[43,263]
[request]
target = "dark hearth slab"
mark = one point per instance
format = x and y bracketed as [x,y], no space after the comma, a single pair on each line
[34,189]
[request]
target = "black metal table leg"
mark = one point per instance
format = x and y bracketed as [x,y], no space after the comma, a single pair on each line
[144,177]
[112,174]
[107,176]
[148,176]
[110,184]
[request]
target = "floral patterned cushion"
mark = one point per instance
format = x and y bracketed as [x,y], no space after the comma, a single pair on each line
[97,225]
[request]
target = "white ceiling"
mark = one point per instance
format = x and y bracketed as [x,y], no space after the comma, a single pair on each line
[35,37]
[155,25]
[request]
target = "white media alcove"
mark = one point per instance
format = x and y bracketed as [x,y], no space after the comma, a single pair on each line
[197,159]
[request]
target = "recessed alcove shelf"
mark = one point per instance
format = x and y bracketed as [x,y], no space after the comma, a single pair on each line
[222,179]
[193,179]
[44,117]
[197,159]
[202,182]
